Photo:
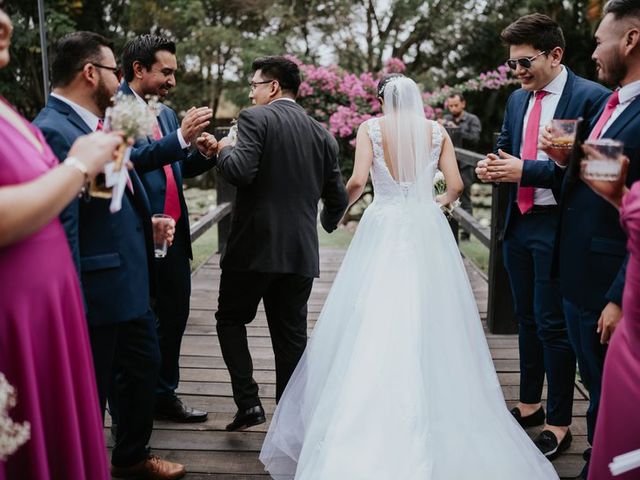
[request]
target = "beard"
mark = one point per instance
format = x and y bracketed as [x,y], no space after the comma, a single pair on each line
[616,70]
[103,97]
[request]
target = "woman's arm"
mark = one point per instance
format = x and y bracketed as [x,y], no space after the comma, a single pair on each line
[448,165]
[25,208]
[361,165]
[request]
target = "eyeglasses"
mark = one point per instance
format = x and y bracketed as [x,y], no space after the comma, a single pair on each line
[117,71]
[524,62]
[253,85]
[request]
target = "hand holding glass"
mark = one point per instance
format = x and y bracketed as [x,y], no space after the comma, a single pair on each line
[602,160]
[563,133]
[163,230]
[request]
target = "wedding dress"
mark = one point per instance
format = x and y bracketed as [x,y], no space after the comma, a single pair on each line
[397,381]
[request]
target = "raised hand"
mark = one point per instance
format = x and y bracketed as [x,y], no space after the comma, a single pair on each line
[207,144]
[194,122]
[559,155]
[96,150]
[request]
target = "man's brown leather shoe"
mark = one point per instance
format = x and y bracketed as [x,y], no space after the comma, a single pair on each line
[153,468]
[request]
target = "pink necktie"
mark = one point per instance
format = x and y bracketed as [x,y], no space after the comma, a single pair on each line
[613,102]
[171,198]
[530,150]
[100,125]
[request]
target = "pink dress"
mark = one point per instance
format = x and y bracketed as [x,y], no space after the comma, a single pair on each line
[618,427]
[44,347]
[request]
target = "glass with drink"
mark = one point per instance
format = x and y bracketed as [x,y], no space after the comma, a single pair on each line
[602,159]
[563,133]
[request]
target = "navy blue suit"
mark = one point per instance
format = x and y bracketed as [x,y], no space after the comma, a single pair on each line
[528,253]
[174,270]
[590,257]
[114,254]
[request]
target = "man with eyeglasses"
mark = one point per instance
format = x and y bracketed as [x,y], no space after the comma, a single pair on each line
[549,90]
[114,254]
[284,162]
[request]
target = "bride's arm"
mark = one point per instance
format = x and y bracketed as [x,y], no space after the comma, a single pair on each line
[448,165]
[361,165]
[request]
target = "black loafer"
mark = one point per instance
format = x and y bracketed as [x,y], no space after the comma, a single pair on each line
[547,443]
[533,420]
[173,409]
[247,418]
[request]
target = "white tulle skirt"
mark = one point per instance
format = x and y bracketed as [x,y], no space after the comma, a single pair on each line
[397,382]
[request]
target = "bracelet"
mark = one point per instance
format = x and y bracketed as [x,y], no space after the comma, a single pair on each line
[77,164]
[81,167]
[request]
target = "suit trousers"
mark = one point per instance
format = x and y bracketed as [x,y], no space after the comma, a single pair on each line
[285,297]
[126,360]
[542,331]
[582,324]
[173,290]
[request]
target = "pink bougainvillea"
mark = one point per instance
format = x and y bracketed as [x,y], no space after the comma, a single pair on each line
[342,100]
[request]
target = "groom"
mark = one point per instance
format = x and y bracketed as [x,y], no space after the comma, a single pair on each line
[283,164]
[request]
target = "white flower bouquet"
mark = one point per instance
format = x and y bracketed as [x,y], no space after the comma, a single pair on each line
[233,133]
[12,435]
[439,188]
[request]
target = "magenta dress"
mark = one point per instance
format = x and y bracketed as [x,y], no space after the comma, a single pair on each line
[44,347]
[618,427]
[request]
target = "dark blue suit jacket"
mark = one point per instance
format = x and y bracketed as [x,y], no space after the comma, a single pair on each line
[148,157]
[114,251]
[580,98]
[591,253]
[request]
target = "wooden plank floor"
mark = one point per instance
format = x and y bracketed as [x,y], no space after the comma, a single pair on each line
[211,453]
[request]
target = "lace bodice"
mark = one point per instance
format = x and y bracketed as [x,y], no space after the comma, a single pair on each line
[384,185]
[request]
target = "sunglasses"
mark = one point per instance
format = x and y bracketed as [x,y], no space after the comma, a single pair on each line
[524,62]
[117,71]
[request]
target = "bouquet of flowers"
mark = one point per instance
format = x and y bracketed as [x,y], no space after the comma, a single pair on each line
[233,132]
[136,120]
[12,435]
[440,187]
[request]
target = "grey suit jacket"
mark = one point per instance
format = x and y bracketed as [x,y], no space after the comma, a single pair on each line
[283,163]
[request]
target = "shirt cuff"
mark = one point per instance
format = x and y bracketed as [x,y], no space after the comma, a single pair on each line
[183,143]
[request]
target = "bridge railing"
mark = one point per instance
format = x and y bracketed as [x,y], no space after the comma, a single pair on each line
[500,317]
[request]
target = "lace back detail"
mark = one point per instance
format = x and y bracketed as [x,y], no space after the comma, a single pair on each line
[383,183]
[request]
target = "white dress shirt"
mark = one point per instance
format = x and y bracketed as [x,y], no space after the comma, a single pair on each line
[90,118]
[626,95]
[544,196]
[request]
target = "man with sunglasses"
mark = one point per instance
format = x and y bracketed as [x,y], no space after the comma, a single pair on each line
[114,253]
[549,90]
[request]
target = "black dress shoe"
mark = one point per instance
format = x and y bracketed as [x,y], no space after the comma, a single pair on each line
[547,443]
[533,420]
[173,409]
[586,455]
[247,418]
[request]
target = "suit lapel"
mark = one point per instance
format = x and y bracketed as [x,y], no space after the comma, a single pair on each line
[70,113]
[629,113]
[565,98]
[519,124]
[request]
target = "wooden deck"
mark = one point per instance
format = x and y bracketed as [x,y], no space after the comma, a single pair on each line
[211,453]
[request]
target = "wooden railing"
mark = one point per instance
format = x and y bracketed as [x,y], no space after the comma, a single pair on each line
[500,316]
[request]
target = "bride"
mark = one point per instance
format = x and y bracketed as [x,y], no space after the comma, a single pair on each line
[397,382]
